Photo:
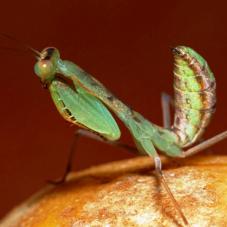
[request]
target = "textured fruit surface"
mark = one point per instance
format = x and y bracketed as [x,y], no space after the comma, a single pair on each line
[127,193]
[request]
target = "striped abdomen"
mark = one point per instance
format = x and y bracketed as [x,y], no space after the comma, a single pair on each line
[194,86]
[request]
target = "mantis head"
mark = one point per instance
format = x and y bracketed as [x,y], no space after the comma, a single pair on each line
[46,66]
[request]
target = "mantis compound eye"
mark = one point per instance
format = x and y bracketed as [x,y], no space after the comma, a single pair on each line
[45,70]
[46,66]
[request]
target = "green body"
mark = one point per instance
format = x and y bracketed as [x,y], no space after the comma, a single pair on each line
[83,109]
[195,98]
[85,104]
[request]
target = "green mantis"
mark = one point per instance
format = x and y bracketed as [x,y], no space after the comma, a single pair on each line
[86,103]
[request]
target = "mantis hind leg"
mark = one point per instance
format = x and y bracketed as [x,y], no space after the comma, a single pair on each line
[161,177]
[166,101]
[144,144]
[205,144]
[85,133]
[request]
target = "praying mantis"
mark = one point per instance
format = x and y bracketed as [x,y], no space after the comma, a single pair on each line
[86,102]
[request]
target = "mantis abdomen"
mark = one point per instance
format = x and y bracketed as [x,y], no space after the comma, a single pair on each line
[195,98]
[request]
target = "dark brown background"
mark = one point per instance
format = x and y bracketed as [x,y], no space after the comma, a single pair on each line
[125,44]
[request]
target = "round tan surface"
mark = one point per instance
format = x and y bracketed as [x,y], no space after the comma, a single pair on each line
[127,193]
